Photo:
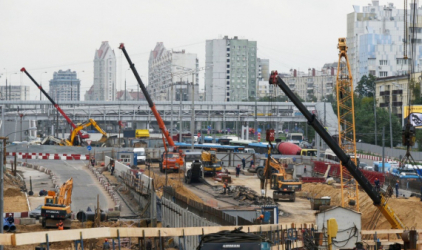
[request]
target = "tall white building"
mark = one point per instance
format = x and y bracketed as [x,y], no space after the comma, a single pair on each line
[231,69]
[263,69]
[104,87]
[375,38]
[167,68]
[14,93]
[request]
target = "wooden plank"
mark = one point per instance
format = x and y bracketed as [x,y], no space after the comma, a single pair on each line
[389,242]
[6,239]
[385,231]
[60,235]
[91,233]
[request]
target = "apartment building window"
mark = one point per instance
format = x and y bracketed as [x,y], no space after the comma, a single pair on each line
[401,61]
[372,72]
[383,73]
[383,62]
[228,49]
[228,60]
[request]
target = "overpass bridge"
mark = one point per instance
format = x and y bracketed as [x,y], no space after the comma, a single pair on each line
[138,112]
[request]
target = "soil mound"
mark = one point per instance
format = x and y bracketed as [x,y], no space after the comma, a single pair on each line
[11,192]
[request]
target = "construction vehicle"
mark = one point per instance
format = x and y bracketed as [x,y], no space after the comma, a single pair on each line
[169,160]
[379,200]
[210,162]
[56,141]
[275,172]
[193,167]
[57,206]
[142,133]
[91,122]
[82,136]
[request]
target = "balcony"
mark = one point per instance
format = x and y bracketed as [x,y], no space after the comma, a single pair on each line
[384,105]
[398,92]
[397,104]
[385,93]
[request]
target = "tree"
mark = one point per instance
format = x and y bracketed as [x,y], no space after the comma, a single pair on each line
[366,86]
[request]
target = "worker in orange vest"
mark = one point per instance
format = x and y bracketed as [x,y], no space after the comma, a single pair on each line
[60,225]
[260,219]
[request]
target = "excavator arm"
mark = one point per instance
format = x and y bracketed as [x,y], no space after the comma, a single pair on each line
[65,193]
[87,124]
[379,200]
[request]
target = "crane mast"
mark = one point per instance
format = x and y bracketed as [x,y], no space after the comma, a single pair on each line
[151,104]
[346,118]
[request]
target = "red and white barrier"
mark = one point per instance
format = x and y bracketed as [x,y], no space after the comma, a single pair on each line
[17,214]
[47,156]
[374,158]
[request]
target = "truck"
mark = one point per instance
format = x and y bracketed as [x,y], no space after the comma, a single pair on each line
[57,206]
[210,162]
[288,148]
[295,138]
[172,157]
[193,167]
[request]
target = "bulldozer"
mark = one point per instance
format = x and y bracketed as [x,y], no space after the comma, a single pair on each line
[57,206]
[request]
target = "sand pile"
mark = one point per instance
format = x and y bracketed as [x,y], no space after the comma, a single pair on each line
[11,192]
[408,210]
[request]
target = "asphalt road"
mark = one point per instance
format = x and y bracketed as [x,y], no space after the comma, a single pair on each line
[85,186]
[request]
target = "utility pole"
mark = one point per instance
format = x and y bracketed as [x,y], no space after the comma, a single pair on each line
[1,191]
[171,108]
[391,128]
[192,121]
[383,144]
[180,110]
[375,119]
[125,89]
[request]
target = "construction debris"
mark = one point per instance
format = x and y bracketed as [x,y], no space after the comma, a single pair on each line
[247,197]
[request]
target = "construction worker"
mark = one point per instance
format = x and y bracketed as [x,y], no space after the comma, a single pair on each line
[252,163]
[377,184]
[149,244]
[112,168]
[260,219]
[60,225]
[243,163]
[93,162]
[226,186]
[397,189]
[106,245]
[10,219]
[238,170]
[304,169]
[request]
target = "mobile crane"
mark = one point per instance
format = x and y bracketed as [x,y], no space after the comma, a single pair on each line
[82,136]
[57,206]
[170,160]
[380,201]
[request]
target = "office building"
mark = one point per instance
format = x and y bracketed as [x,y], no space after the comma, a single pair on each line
[65,86]
[14,93]
[375,38]
[104,87]
[167,68]
[231,69]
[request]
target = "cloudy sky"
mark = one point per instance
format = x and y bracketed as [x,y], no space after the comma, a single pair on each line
[49,35]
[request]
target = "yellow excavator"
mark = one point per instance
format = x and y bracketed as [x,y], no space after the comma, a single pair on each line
[91,122]
[57,206]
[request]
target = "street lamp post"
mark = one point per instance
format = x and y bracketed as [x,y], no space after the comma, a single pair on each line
[192,121]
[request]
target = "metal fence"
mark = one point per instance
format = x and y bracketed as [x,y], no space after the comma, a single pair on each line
[389,152]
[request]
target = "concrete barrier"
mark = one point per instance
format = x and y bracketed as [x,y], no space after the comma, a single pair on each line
[27,221]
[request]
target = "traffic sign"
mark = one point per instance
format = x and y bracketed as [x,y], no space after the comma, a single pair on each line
[88,142]
[89,148]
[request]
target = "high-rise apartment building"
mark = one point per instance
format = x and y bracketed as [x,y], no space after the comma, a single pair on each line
[14,93]
[65,86]
[263,69]
[104,87]
[167,68]
[313,85]
[375,38]
[231,69]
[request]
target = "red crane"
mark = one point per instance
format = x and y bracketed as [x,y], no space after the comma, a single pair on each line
[82,136]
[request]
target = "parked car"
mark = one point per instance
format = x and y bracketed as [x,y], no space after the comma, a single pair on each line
[36,213]
[362,165]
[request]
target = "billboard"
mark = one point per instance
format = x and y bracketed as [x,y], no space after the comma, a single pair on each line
[416,115]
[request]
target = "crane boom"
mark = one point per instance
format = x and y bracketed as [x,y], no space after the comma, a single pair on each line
[378,199]
[151,104]
[52,101]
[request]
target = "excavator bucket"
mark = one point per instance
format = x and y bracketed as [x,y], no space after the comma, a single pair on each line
[103,139]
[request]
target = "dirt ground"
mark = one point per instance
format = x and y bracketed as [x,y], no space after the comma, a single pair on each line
[408,210]
[14,199]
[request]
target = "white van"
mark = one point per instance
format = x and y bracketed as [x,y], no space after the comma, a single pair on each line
[140,155]
[249,150]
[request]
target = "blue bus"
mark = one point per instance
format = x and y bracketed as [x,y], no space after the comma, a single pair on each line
[262,147]
[215,147]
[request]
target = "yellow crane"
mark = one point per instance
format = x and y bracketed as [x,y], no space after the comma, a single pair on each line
[346,118]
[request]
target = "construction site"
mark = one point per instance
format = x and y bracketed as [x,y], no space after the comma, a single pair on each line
[145,190]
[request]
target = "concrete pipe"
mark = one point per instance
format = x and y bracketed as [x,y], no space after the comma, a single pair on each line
[12,228]
[89,216]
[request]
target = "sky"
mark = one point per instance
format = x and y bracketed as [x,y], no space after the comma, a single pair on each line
[49,35]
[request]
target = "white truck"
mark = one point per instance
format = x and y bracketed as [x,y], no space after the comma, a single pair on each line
[140,155]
